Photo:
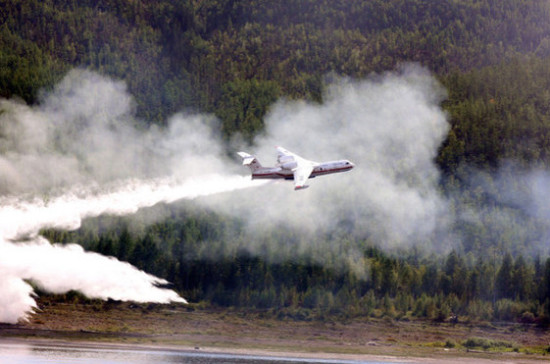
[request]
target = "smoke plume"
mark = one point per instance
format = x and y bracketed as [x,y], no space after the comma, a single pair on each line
[78,155]
[514,218]
[390,126]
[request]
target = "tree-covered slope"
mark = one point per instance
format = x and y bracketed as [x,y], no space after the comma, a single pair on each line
[236,58]
[210,54]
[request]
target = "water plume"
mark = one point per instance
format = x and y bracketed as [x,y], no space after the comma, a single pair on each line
[78,155]
[59,268]
[23,219]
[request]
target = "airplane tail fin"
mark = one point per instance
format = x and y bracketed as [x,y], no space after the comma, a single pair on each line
[250,161]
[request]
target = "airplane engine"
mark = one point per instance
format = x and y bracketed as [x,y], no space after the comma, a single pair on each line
[289,165]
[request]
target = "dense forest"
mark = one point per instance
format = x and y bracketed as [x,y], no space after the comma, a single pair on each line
[234,59]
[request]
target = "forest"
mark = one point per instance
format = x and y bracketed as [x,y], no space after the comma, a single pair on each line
[235,58]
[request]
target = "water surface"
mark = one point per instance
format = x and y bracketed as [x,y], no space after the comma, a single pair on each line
[22,353]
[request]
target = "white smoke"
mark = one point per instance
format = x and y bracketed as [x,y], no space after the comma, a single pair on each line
[506,208]
[85,132]
[79,155]
[390,126]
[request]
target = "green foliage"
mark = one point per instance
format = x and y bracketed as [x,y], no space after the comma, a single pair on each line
[236,58]
[507,310]
[24,67]
[180,249]
[243,104]
[185,54]
[498,113]
[450,344]
[486,344]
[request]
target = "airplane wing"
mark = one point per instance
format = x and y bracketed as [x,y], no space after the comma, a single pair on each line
[301,174]
[302,168]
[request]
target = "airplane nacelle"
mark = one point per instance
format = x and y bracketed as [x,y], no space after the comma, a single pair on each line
[285,159]
[289,165]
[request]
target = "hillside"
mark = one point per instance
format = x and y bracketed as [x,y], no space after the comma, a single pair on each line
[211,55]
[235,59]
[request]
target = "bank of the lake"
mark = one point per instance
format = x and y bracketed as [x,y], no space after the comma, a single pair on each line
[192,327]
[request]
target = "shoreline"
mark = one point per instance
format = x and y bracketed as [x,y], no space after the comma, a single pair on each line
[196,329]
[194,350]
[93,345]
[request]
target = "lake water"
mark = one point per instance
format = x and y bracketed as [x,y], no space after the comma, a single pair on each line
[19,353]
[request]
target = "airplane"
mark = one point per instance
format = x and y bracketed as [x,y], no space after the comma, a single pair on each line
[291,166]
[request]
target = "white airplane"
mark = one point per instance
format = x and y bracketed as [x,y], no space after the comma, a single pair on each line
[291,166]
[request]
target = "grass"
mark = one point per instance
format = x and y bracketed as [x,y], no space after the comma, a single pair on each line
[488,344]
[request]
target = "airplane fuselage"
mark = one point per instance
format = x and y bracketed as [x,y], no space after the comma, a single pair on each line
[319,169]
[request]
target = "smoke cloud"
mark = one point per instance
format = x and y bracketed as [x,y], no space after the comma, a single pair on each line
[77,155]
[390,126]
[515,217]
[80,154]
[85,132]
